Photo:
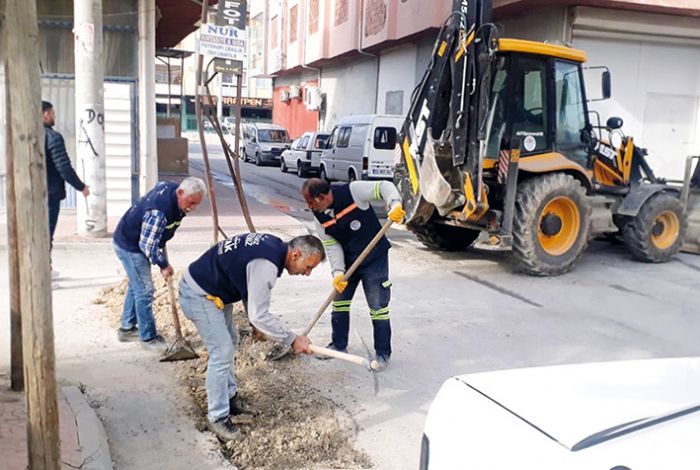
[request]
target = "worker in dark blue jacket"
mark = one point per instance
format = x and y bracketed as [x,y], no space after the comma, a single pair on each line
[139,240]
[241,268]
[58,167]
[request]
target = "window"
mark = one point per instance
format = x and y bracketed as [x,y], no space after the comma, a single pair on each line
[570,117]
[295,143]
[304,141]
[293,23]
[530,106]
[359,134]
[496,126]
[333,139]
[344,136]
[320,141]
[385,138]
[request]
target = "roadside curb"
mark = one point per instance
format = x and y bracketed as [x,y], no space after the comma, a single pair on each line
[91,433]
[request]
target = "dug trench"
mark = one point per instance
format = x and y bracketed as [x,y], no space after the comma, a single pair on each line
[293,425]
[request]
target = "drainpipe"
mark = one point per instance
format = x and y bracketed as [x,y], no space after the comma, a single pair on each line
[303,61]
[360,51]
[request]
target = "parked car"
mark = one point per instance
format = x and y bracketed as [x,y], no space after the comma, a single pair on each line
[625,415]
[304,156]
[264,143]
[361,147]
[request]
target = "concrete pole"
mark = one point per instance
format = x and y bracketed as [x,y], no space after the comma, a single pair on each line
[148,151]
[23,76]
[219,99]
[89,116]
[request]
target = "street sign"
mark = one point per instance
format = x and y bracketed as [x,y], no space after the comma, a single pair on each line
[222,42]
[228,66]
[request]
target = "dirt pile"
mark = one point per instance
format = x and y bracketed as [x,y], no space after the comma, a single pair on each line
[293,427]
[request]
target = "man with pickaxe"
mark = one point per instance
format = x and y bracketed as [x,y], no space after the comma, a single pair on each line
[346,224]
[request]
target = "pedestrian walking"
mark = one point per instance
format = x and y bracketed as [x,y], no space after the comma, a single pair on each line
[241,268]
[346,223]
[139,241]
[58,167]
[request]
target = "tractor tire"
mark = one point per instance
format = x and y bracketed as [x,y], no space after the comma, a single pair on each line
[444,237]
[656,234]
[551,224]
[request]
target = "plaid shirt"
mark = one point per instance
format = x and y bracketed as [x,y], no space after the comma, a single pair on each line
[151,232]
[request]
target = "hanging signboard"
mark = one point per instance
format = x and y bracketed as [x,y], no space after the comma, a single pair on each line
[231,13]
[222,42]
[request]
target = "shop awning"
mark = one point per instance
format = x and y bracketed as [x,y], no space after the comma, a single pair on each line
[178,19]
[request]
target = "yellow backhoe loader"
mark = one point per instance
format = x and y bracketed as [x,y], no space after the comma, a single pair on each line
[499,139]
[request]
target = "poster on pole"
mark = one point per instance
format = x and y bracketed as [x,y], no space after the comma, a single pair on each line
[222,42]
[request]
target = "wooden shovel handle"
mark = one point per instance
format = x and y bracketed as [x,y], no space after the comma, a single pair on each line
[173,304]
[347,274]
[360,361]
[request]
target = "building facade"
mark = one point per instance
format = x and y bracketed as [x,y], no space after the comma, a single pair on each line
[366,56]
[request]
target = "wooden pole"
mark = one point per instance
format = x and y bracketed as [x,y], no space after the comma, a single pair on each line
[16,361]
[32,233]
[200,128]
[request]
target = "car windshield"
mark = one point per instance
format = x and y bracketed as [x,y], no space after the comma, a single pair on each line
[320,141]
[270,135]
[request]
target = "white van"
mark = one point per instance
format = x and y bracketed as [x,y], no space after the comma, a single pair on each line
[361,147]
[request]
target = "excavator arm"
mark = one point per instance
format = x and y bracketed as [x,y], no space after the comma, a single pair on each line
[442,139]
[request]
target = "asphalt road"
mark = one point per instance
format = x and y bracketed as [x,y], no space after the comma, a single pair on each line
[455,313]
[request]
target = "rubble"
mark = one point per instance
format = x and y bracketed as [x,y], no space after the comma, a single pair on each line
[293,425]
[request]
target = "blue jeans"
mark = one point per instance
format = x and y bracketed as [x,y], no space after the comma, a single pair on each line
[138,303]
[54,209]
[220,336]
[374,276]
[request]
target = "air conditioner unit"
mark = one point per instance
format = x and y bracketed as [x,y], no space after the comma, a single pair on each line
[295,92]
[284,96]
[313,98]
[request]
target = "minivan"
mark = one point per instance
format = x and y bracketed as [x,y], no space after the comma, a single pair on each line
[264,143]
[361,147]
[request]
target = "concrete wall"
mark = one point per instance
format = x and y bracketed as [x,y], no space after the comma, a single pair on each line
[350,89]
[397,78]
[544,24]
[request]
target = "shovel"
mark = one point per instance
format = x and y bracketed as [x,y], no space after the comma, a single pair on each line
[181,349]
[333,293]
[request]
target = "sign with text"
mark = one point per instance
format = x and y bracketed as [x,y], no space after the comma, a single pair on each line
[232,13]
[222,42]
[227,66]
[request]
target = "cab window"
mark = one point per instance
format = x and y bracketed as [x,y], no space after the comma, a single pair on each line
[304,142]
[344,136]
[530,106]
[570,117]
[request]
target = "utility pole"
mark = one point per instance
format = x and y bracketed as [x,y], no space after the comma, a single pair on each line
[23,79]
[16,361]
[148,142]
[89,116]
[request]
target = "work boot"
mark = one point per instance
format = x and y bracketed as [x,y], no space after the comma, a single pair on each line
[223,429]
[323,357]
[235,408]
[381,363]
[157,343]
[125,336]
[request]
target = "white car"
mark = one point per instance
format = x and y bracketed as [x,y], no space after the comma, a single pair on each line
[304,156]
[627,415]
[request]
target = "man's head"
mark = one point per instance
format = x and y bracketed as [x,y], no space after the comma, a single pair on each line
[317,194]
[303,255]
[190,194]
[48,115]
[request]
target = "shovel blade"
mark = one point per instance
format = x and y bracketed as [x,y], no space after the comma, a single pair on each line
[181,350]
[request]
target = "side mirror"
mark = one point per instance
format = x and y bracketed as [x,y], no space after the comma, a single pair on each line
[606,85]
[614,123]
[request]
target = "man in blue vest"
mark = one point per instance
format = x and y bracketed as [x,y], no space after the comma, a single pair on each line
[139,240]
[346,223]
[244,267]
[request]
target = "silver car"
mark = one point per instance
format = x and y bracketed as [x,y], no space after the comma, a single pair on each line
[264,143]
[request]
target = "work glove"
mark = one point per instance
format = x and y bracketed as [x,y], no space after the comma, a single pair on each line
[339,284]
[396,214]
[217,301]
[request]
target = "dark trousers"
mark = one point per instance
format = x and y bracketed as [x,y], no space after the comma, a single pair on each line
[374,276]
[54,209]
